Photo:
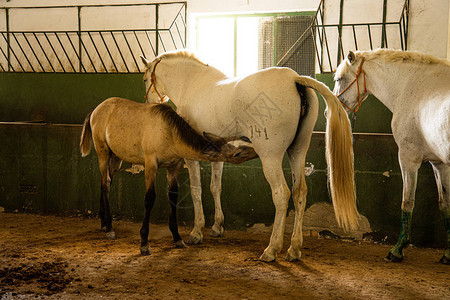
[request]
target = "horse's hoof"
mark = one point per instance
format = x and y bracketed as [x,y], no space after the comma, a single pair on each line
[180,244]
[444,260]
[103,228]
[194,240]
[145,250]
[216,232]
[267,257]
[111,235]
[293,255]
[392,258]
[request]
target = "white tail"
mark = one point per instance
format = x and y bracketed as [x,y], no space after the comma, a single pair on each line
[339,155]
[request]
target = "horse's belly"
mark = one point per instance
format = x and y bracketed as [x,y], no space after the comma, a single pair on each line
[127,151]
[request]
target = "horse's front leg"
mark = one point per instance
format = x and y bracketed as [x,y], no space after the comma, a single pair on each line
[442,176]
[280,195]
[172,175]
[150,196]
[196,235]
[216,190]
[409,170]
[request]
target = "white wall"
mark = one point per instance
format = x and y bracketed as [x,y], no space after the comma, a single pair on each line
[428,31]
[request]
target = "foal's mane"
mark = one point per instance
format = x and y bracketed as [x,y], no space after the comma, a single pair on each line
[183,130]
[389,56]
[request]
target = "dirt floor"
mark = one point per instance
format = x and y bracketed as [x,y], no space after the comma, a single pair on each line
[68,258]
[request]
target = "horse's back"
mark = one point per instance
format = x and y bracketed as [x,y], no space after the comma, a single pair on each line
[124,126]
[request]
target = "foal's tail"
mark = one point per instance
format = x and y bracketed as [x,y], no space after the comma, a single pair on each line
[339,155]
[86,136]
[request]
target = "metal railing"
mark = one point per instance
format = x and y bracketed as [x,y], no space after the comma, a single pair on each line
[90,51]
[331,51]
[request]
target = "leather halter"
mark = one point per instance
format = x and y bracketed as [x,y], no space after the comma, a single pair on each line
[360,99]
[153,84]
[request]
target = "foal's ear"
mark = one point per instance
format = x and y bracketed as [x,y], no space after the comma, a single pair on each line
[351,56]
[145,61]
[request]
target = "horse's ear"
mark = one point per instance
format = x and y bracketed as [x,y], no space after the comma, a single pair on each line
[145,61]
[351,56]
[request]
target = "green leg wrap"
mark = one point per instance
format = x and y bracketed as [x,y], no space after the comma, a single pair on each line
[404,237]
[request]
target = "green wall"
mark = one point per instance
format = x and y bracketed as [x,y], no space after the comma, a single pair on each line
[42,170]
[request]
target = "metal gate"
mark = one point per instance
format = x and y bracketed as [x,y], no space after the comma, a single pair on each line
[88,47]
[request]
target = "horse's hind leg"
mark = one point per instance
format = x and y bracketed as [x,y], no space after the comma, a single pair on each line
[216,190]
[172,175]
[299,191]
[104,156]
[114,166]
[409,170]
[150,196]
[442,175]
[273,172]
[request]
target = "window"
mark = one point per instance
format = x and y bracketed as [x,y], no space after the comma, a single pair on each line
[240,45]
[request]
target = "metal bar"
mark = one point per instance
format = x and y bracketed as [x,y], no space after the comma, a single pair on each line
[24,54]
[65,52]
[109,53]
[176,16]
[139,43]
[99,5]
[173,40]
[10,67]
[98,53]
[179,34]
[317,52]
[120,52]
[74,50]
[370,37]
[32,51]
[184,23]
[131,51]
[162,42]
[14,53]
[341,17]
[401,35]
[157,28]
[383,28]
[89,57]
[80,57]
[151,44]
[54,52]
[354,38]
[45,53]
[8,58]
[328,50]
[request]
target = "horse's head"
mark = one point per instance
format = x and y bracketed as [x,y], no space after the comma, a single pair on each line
[154,89]
[350,82]
[231,149]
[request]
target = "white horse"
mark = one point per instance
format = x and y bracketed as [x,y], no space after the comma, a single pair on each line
[277,109]
[416,88]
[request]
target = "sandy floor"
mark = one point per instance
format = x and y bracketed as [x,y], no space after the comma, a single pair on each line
[53,257]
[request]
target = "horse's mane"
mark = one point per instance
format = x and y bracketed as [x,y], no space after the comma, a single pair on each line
[389,55]
[184,131]
[181,54]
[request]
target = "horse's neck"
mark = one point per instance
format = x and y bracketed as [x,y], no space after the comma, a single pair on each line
[396,84]
[386,82]
[182,77]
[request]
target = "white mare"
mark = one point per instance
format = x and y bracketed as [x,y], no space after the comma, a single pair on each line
[277,109]
[416,88]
